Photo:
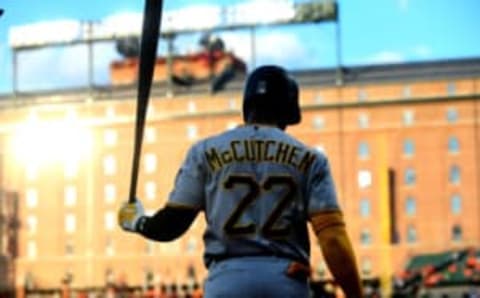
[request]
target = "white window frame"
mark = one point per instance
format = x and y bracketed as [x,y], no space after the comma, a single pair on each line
[109,165]
[109,220]
[70,223]
[150,190]
[150,163]
[70,195]
[110,193]
[31,197]
[32,223]
[110,137]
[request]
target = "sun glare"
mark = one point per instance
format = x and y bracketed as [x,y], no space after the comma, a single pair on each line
[41,142]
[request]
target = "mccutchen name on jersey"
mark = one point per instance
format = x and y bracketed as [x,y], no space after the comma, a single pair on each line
[260,151]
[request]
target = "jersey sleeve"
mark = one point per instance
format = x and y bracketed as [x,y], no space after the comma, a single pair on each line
[322,195]
[188,189]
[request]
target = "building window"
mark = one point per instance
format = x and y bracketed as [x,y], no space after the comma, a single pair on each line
[69,248]
[109,276]
[408,117]
[110,137]
[364,178]
[318,123]
[365,237]
[362,95]
[408,147]
[453,145]
[150,135]
[411,234]
[149,247]
[410,176]
[70,195]
[365,208]
[452,115]
[110,193]
[232,103]
[192,107]
[407,91]
[109,247]
[191,245]
[454,174]
[451,88]
[110,112]
[110,220]
[363,150]
[31,196]
[366,266]
[410,206]
[192,131]
[457,233]
[32,224]
[150,190]
[109,165]
[456,204]
[31,249]
[363,121]
[70,223]
[150,163]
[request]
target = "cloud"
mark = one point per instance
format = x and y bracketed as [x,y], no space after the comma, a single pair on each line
[270,48]
[287,48]
[63,67]
[51,68]
[386,57]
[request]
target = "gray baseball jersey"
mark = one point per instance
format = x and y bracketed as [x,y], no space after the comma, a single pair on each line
[257,186]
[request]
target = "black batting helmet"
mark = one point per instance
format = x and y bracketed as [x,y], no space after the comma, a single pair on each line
[271,96]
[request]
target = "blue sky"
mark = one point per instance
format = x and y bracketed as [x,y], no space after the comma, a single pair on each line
[372,32]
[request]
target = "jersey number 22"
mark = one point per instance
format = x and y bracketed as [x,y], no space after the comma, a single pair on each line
[269,229]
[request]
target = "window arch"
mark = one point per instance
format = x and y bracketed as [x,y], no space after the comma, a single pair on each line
[410,176]
[456,204]
[453,144]
[412,236]
[410,206]
[408,147]
[454,174]
[457,233]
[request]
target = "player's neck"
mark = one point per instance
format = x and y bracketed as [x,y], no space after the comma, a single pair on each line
[263,124]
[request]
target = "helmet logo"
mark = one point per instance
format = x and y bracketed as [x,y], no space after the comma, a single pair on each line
[261,87]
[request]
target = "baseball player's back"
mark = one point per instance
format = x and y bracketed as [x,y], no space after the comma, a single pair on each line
[258,188]
[254,200]
[255,208]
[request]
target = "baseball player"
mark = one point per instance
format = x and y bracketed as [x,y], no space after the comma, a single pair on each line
[259,187]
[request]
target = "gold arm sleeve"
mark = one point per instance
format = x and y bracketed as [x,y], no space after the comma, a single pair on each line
[337,250]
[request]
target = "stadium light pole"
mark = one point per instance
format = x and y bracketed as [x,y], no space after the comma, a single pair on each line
[253,46]
[14,72]
[338,41]
[90,57]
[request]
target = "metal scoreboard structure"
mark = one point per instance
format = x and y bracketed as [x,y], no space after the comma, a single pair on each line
[188,20]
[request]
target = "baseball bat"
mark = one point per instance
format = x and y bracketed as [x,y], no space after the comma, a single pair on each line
[152,16]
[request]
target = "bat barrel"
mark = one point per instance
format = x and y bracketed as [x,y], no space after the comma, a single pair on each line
[148,52]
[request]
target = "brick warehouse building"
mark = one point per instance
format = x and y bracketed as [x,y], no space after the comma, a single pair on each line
[403,141]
